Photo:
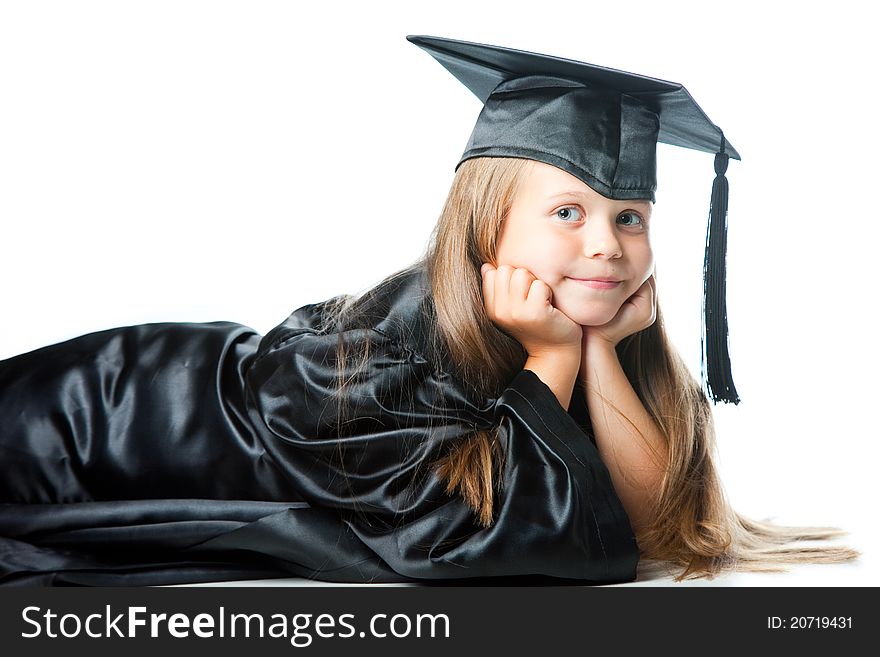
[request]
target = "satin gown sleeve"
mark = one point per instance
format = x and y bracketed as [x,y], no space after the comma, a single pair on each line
[557,512]
[175,452]
[127,458]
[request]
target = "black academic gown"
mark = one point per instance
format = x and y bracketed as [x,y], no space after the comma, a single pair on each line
[191,452]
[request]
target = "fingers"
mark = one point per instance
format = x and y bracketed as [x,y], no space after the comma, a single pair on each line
[648,289]
[520,305]
[653,296]
[502,288]
[540,293]
[489,272]
[520,284]
[640,310]
[507,288]
[651,284]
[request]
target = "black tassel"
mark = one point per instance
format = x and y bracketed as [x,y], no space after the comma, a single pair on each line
[716,358]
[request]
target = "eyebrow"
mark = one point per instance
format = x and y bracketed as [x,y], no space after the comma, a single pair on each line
[579,194]
[573,192]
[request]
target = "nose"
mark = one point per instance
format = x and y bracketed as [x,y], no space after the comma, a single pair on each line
[600,238]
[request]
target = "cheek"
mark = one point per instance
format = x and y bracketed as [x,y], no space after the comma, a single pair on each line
[640,275]
[554,253]
[642,259]
[543,255]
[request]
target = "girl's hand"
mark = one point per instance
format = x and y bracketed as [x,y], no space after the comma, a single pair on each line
[637,313]
[521,304]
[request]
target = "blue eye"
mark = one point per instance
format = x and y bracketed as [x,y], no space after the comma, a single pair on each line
[635,220]
[565,213]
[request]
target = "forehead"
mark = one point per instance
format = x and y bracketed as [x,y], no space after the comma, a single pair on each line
[545,182]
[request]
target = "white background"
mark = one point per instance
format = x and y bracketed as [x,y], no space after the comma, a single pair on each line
[200,161]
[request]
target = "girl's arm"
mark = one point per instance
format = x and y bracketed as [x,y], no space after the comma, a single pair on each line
[558,370]
[621,435]
[557,346]
[630,442]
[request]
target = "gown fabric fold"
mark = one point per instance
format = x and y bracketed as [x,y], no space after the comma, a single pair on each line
[178,452]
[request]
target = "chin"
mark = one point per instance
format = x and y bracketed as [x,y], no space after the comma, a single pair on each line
[594,316]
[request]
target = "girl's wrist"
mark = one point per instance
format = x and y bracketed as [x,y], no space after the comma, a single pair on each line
[557,355]
[597,344]
[558,371]
[598,354]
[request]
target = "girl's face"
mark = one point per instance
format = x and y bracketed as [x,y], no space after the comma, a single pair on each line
[593,252]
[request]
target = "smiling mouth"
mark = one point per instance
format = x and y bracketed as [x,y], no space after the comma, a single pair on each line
[598,283]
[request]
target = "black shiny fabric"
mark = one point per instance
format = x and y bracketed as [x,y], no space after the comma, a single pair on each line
[562,124]
[603,137]
[185,452]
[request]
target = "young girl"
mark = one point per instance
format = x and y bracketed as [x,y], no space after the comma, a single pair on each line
[508,405]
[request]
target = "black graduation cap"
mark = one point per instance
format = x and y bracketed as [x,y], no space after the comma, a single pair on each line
[602,126]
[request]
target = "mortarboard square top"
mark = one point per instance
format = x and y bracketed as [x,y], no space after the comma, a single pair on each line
[599,124]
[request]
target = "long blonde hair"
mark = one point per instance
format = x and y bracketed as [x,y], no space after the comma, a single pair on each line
[693,525]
